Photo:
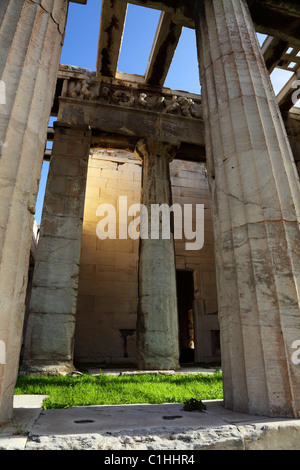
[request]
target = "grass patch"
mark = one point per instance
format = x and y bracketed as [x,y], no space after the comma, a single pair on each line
[85,390]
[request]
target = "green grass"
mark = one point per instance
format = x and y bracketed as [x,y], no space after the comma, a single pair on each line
[85,390]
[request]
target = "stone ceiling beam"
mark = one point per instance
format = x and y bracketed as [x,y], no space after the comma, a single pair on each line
[183,10]
[132,123]
[163,49]
[113,15]
[167,5]
[277,18]
[290,7]
[273,50]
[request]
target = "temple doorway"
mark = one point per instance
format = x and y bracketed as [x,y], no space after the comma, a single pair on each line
[185,300]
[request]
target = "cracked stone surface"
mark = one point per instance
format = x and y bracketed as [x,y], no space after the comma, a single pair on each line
[145,427]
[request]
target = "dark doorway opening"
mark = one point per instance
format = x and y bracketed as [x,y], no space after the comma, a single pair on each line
[185,301]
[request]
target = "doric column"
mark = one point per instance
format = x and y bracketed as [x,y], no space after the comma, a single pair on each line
[51,326]
[31,37]
[157,324]
[256,207]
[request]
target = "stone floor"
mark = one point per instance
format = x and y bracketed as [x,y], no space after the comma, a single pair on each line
[149,428]
[188,369]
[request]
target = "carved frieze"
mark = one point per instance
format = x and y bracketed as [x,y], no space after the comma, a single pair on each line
[130,97]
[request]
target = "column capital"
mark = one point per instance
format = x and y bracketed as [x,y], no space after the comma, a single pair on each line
[155,147]
[57,125]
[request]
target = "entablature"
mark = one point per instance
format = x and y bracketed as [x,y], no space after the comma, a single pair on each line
[120,112]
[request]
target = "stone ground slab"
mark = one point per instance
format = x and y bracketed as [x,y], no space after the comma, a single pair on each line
[14,435]
[144,428]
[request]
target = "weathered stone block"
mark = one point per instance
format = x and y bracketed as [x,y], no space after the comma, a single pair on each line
[53,300]
[68,228]
[52,338]
[56,274]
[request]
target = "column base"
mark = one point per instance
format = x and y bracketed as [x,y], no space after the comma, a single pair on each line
[158,362]
[159,367]
[43,368]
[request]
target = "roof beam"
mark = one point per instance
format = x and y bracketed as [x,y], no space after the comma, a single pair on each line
[47,155]
[162,5]
[113,15]
[163,49]
[290,7]
[277,18]
[273,50]
[183,10]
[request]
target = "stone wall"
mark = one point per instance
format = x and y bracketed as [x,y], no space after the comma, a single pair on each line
[108,278]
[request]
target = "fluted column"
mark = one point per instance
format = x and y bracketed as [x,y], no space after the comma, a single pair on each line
[157,324]
[256,208]
[31,35]
[50,332]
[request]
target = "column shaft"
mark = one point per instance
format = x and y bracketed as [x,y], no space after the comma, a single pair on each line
[31,37]
[256,208]
[157,325]
[51,326]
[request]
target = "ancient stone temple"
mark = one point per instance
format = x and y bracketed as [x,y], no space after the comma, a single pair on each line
[215,272]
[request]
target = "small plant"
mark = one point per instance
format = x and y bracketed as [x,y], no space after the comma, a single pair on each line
[19,431]
[194,405]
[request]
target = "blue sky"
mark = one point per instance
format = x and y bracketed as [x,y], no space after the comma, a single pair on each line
[81,43]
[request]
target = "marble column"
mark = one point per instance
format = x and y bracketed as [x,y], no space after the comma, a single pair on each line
[31,36]
[256,207]
[157,324]
[50,332]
